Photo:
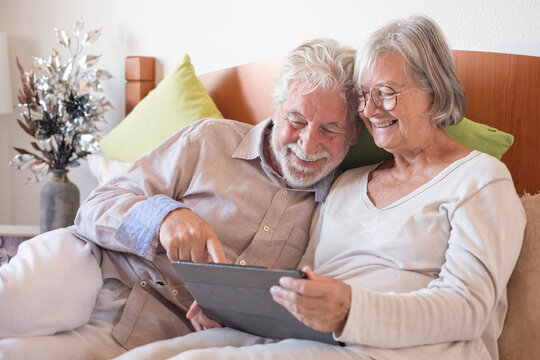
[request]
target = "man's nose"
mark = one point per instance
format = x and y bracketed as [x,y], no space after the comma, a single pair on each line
[309,140]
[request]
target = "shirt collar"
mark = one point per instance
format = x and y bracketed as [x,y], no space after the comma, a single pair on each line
[251,147]
[322,187]
[252,144]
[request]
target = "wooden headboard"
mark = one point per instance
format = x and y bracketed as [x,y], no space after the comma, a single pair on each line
[503,91]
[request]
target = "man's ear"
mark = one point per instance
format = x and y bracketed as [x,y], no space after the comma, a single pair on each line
[275,115]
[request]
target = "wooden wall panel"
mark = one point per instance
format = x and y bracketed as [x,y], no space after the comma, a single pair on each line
[140,77]
[503,91]
[243,92]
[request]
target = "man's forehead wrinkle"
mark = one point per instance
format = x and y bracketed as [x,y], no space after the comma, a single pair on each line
[310,107]
[295,113]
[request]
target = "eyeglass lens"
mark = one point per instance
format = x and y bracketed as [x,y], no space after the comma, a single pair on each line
[384,98]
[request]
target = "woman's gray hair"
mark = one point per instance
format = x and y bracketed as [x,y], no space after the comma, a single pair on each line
[319,63]
[430,64]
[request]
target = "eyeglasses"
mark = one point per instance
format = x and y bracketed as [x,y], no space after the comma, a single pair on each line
[384,97]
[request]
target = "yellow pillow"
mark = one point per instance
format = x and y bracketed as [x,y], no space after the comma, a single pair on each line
[179,100]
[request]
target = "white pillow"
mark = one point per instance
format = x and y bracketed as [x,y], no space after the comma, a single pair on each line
[105,169]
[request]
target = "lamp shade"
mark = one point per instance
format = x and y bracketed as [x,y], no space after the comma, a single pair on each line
[6,98]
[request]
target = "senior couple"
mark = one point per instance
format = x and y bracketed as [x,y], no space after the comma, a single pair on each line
[410,256]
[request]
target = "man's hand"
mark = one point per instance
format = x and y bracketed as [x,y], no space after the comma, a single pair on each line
[199,320]
[186,236]
[321,302]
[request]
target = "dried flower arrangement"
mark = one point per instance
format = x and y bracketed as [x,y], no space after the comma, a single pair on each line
[61,104]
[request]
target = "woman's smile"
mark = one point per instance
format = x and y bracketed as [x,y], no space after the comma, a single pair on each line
[384,124]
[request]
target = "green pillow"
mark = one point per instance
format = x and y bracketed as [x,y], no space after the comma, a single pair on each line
[469,133]
[481,137]
[179,100]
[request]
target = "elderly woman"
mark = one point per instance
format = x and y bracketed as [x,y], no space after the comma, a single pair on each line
[412,256]
[423,244]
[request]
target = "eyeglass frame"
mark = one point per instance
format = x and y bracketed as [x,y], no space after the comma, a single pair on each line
[369,95]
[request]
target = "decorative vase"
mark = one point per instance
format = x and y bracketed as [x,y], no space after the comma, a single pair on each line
[59,202]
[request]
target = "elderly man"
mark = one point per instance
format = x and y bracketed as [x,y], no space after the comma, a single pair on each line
[218,190]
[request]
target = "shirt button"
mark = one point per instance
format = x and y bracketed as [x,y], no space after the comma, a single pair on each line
[285,192]
[132,238]
[175,292]
[242,262]
[266,228]
[143,283]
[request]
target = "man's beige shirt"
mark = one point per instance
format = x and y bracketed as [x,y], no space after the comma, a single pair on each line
[215,168]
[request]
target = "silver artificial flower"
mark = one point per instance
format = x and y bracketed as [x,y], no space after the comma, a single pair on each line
[61,104]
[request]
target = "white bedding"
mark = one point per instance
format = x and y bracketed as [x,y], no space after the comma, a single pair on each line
[105,169]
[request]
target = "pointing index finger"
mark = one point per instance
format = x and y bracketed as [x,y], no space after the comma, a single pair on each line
[215,250]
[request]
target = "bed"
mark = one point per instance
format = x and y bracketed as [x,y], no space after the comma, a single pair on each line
[503,92]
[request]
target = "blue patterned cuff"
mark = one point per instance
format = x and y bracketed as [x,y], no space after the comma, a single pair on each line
[138,230]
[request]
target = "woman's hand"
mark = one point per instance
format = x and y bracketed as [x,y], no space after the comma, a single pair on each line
[321,302]
[199,320]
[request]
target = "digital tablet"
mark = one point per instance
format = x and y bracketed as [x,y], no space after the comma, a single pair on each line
[239,297]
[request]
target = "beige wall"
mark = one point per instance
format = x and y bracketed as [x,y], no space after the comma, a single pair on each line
[218,34]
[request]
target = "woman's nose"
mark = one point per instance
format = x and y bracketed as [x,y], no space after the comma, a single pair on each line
[370,109]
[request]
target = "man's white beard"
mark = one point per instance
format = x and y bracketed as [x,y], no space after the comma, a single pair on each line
[295,175]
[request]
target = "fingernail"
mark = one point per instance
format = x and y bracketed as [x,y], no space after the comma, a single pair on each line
[284,281]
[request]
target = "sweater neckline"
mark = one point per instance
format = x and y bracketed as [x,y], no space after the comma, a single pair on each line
[436,179]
